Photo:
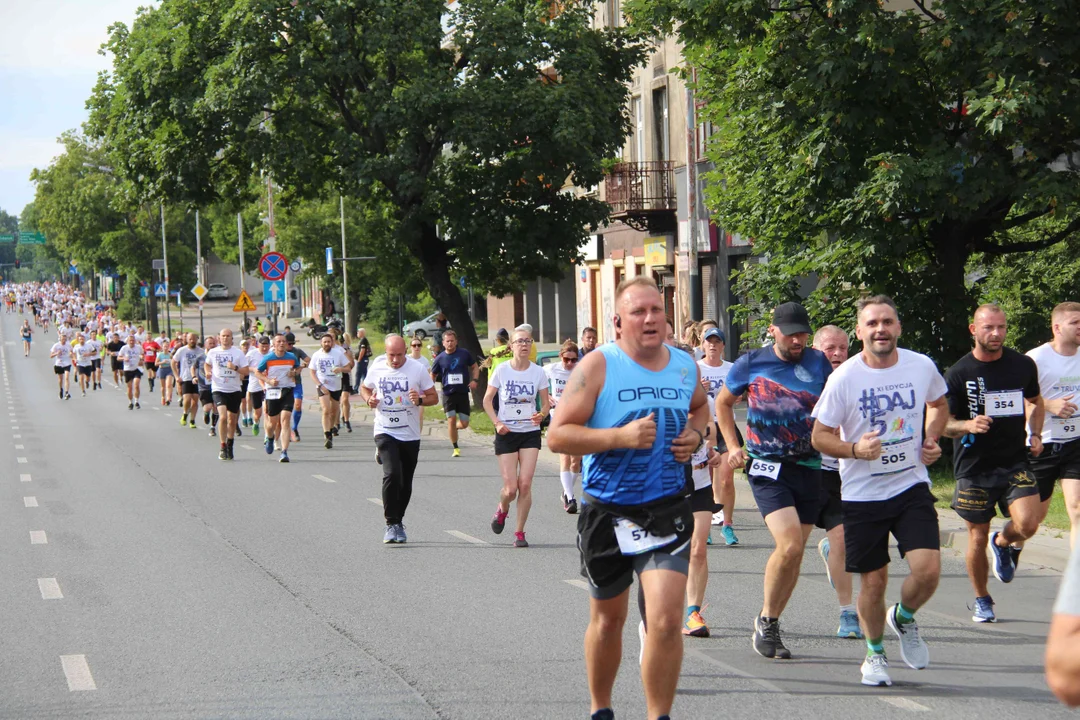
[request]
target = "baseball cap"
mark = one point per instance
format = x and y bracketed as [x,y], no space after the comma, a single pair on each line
[791,318]
[502,333]
[714,333]
[290,338]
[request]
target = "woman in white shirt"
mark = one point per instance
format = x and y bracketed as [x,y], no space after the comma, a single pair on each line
[558,375]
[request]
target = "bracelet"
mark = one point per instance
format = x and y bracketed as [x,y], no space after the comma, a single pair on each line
[853,455]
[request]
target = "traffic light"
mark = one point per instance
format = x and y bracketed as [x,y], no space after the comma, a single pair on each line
[18,263]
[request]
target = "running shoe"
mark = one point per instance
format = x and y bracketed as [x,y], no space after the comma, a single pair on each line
[295,436]
[569,505]
[767,641]
[875,670]
[849,625]
[206,418]
[708,540]
[912,647]
[329,443]
[1003,560]
[399,530]
[519,540]
[239,432]
[183,420]
[335,430]
[191,424]
[823,550]
[284,457]
[695,625]
[391,535]
[729,535]
[131,406]
[456,453]
[348,426]
[213,432]
[498,521]
[61,394]
[269,445]
[984,610]
[223,455]
[84,393]
[137,405]
[254,429]
[718,518]
[67,396]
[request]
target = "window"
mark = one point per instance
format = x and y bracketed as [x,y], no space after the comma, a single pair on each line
[614,13]
[661,130]
[637,148]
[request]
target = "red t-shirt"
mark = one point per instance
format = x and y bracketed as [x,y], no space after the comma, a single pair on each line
[150,350]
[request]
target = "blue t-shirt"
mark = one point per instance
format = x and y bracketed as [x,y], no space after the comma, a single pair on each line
[452,370]
[630,392]
[780,397]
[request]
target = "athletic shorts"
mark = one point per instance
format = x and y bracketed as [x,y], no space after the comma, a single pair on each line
[721,446]
[150,370]
[831,513]
[702,500]
[335,395]
[795,486]
[164,371]
[1058,461]
[976,497]
[603,564]
[130,375]
[231,400]
[457,404]
[346,384]
[909,516]
[282,404]
[189,388]
[206,397]
[244,384]
[298,391]
[256,397]
[117,366]
[86,370]
[27,340]
[61,369]
[96,363]
[511,442]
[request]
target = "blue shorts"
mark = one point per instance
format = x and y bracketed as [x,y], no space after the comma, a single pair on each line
[795,486]
[298,391]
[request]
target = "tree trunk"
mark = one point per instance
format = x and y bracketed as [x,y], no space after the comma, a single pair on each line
[352,322]
[953,313]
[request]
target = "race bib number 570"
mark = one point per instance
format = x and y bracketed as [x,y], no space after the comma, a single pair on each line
[634,539]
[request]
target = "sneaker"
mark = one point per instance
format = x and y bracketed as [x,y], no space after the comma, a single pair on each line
[718,518]
[335,430]
[239,432]
[206,418]
[254,429]
[570,505]
[84,393]
[729,535]
[400,531]
[137,405]
[61,394]
[708,540]
[391,535]
[284,457]
[183,420]
[519,540]
[767,642]
[498,521]
[695,626]
[984,610]
[348,426]
[823,550]
[641,641]
[191,424]
[329,443]
[213,432]
[456,453]
[67,396]
[269,446]
[131,406]
[1003,560]
[295,436]
[875,671]
[849,625]
[912,647]
[223,455]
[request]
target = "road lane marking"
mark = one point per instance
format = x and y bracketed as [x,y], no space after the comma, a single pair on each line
[167,414]
[77,672]
[22,460]
[16,436]
[246,446]
[24,477]
[20,447]
[377,501]
[37,537]
[904,704]
[760,682]
[580,584]
[14,427]
[50,589]
[30,501]
[467,538]
[324,478]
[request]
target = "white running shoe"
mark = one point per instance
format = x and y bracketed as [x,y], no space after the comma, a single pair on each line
[875,671]
[718,518]
[912,647]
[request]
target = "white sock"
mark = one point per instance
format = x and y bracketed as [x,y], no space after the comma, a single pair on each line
[847,608]
[567,479]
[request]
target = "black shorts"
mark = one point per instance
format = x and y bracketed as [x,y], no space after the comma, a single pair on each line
[96,363]
[282,404]
[256,397]
[976,498]
[831,513]
[702,500]
[1058,461]
[130,375]
[511,442]
[86,370]
[909,516]
[346,384]
[720,445]
[189,388]
[603,564]
[244,384]
[334,395]
[117,366]
[150,371]
[457,404]
[795,486]
[231,400]
[61,369]
[206,397]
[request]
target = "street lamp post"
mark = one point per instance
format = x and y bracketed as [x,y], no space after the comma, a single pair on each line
[165,259]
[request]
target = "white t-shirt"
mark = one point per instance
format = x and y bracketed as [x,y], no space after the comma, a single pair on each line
[140,337]
[557,377]
[85,353]
[130,356]
[715,376]
[63,354]
[222,379]
[255,356]
[517,395]
[422,360]
[397,415]
[324,363]
[1059,375]
[858,399]
[186,358]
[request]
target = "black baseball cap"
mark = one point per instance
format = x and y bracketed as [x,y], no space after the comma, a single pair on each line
[290,338]
[791,318]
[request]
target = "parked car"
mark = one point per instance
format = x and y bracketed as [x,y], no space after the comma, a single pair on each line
[217,291]
[547,357]
[422,328]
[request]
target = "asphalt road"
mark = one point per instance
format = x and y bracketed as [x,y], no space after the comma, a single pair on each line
[194,588]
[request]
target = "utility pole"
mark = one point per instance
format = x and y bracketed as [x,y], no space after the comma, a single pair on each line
[165,259]
[344,266]
[274,309]
[199,273]
[691,201]
[240,235]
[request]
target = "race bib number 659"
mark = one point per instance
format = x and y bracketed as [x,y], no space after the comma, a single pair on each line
[765,468]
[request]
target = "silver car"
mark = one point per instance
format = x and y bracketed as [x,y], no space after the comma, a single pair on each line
[217,291]
[422,328]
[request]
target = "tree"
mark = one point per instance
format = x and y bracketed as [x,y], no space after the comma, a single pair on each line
[465,121]
[881,150]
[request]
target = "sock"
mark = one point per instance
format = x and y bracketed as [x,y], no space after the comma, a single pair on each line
[769,619]
[230,442]
[328,434]
[183,419]
[214,417]
[455,446]
[875,645]
[847,608]
[691,609]
[296,419]
[222,446]
[566,477]
[206,418]
[903,614]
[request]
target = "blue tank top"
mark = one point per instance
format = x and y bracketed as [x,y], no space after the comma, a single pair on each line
[630,392]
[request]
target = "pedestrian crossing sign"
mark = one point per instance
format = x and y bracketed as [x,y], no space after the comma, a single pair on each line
[244,303]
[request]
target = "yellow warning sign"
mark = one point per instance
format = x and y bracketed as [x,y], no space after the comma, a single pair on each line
[244,303]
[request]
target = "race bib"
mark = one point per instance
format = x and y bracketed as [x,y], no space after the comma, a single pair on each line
[634,539]
[1064,429]
[765,468]
[895,457]
[273,393]
[455,379]
[518,411]
[1004,403]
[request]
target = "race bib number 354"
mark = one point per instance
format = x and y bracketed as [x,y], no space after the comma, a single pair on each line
[1006,403]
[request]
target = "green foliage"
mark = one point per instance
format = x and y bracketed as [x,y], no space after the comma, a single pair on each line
[880,150]
[131,307]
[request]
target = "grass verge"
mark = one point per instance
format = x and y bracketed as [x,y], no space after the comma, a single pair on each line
[944,485]
[479,422]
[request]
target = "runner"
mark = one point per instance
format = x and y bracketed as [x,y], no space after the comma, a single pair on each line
[225,366]
[26,332]
[99,345]
[456,369]
[397,389]
[569,466]
[714,369]
[1059,380]
[877,400]
[61,355]
[588,341]
[185,363]
[833,341]
[150,351]
[163,363]
[245,406]
[519,383]
[206,394]
[347,386]
[113,347]
[298,391]
[256,392]
[277,373]
[636,411]
[330,366]
[781,384]
[85,352]
[132,357]
[363,357]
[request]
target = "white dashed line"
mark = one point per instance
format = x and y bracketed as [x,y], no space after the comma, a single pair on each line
[14,427]
[50,589]
[77,672]
[30,501]
[37,537]
[246,446]
[22,460]
[323,478]
[377,501]
[581,584]
[467,538]
[24,477]
[16,436]
[904,704]
[20,447]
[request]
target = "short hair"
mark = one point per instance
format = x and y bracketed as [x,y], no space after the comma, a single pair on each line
[570,345]
[636,281]
[826,330]
[589,329]
[1062,308]
[449,333]
[988,307]
[877,300]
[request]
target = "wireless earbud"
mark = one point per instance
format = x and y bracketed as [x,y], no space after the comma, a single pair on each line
[618,322]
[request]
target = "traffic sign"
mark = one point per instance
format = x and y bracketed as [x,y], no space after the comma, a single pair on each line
[199,291]
[144,291]
[274,291]
[31,237]
[244,303]
[273,266]
[296,266]
[159,290]
[157,264]
[7,238]
[329,261]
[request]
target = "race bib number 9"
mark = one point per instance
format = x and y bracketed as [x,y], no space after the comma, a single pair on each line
[1006,403]
[518,411]
[1064,429]
[634,539]
[895,457]
[765,468]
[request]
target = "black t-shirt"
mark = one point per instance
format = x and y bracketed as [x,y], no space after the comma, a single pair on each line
[365,346]
[114,346]
[996,389]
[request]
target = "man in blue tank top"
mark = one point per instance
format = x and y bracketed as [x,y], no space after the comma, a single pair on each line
[637,412]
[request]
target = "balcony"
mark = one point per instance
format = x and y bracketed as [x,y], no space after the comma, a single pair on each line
[642,195]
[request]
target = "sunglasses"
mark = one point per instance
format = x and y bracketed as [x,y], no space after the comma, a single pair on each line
[416,345]
[570,359]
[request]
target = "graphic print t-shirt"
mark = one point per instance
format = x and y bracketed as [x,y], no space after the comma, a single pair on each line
[452,370]
[130,356]
[63,354]
[397,415]
[780,397]
[557,376]
[716,377]
[517,395]
[278,367]
[1059,375]
[222,379]
[324,363]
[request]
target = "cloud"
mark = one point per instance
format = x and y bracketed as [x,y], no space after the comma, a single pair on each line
[28,152]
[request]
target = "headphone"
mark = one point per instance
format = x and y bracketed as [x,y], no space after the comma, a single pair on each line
[618,322]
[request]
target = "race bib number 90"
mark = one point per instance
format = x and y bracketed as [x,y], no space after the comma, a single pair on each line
[765,468]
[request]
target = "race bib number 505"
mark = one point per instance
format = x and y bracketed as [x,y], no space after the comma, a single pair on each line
[895,457]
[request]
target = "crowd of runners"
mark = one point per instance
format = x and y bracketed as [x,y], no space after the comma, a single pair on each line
[645,427]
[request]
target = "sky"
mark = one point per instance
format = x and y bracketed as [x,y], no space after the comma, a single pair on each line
[49,63]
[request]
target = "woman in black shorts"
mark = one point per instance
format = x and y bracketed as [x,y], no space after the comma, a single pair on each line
[346,383]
